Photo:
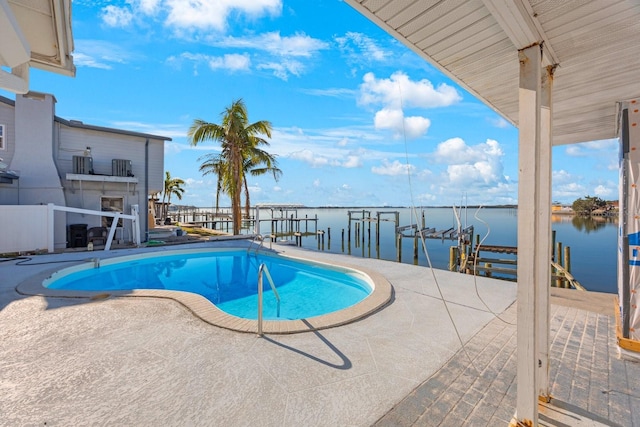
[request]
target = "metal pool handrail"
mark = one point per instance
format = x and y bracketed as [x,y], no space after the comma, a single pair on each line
[259,237]
[264,269]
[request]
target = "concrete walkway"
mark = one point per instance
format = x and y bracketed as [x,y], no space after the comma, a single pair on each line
[144,361]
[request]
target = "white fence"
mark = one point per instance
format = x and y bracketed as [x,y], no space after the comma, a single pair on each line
[24,228]
[31,227]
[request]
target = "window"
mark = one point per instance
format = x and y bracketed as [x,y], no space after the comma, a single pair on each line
[3,138]
[111,204]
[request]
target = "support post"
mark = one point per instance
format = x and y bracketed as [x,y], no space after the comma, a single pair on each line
[543,246]
[534,233]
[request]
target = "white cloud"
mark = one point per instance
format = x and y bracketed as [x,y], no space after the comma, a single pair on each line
[605,192]
[399,91]
[99,54]
[575,151]
[481,171]
[283,69]
[393,169]
[298,45]
[394,120]
[213,15]
[316,160]
[83,60]
[255,189]
[309,157]
[593,148]
[476,168]
[388,119]
[569,191]
[148,7]
[192,182]
[168,130]
[115,16]
[187,17]
[358,45]
[343,142]
[456,151]
[332,92]
[229,62]
[561,177]
[416,126]
[499,122]
[316,183]
[352,162]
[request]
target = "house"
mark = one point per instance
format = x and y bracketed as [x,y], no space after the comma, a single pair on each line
[47,159]
[559,209]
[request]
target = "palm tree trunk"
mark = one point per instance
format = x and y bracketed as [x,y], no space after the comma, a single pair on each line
[247,206]
[218,190]
[168,203]
[164,208]
[237,208]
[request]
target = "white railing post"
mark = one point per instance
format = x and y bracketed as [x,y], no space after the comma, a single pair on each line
[112,232]
[135,223]
[256,226]
[260,300]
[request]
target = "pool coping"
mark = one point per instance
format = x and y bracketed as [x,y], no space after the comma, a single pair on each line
[204,309]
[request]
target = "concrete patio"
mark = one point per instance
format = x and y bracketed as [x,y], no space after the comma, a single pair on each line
[149,361]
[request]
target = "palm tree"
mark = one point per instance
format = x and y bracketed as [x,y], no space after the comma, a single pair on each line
[172,186]
[214,164]
[240,154]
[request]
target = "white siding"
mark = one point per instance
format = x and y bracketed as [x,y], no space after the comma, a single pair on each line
[104,147]
[156,165]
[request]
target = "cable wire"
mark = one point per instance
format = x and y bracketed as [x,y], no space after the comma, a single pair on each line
[475,264]
[424,244]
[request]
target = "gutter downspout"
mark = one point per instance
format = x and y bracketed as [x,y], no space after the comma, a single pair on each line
[146,190]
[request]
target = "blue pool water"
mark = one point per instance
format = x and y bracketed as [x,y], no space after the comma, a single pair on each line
[229,279]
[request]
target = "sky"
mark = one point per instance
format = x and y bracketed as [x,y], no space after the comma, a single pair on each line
[358,119]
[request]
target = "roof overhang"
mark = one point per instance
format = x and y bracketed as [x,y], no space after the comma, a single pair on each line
[34,33]
[595,46]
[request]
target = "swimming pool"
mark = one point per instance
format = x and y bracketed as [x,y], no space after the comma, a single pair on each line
[319,295]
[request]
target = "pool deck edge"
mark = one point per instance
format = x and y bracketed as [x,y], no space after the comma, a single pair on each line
[208,312]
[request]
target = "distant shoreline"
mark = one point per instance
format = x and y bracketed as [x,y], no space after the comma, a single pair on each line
[179,207]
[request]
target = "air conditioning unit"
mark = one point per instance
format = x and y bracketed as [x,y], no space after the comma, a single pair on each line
[120,167]
[82,165]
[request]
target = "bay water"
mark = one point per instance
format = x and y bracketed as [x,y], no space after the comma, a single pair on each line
[592,241]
